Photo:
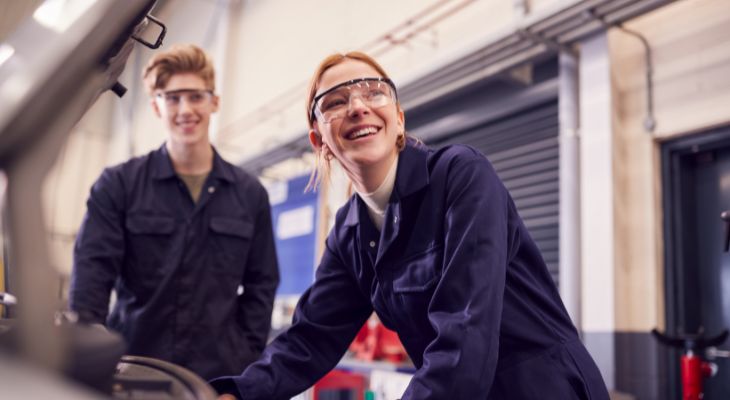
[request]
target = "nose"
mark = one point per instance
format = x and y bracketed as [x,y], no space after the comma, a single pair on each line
[356,106]
[185,105]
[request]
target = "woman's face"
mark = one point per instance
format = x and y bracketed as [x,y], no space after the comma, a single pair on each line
[364,137]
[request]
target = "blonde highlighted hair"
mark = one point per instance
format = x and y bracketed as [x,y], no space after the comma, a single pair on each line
[181,58]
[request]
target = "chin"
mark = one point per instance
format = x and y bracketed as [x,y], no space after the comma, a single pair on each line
[376,153]
[188,138]
[366,159]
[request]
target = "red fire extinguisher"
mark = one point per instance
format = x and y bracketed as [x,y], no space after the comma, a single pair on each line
[693,368]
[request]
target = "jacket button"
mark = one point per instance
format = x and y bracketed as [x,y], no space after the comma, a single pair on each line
[372,243]
[211,189]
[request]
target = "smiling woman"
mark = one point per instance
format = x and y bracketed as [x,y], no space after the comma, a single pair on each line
[366,145]
[432,242]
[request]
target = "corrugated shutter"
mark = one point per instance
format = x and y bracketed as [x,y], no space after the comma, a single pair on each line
[523,147]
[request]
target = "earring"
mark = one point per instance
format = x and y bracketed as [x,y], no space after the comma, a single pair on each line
[400,141]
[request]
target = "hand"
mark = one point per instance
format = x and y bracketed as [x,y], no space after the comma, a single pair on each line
[227,397]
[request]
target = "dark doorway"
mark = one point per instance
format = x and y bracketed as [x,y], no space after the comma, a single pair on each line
[696,191]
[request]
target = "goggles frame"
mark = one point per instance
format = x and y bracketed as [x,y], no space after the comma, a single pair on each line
[315,100]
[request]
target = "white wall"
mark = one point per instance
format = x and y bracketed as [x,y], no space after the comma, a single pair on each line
[278,44]
[263,50]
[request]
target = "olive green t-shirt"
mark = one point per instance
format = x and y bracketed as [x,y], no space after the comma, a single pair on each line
[194,184]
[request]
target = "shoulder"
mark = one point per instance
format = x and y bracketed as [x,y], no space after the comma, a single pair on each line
[246,180]
[442,156]
[456,153]
[457,159]
[246,184]
[134,163]
[116,174]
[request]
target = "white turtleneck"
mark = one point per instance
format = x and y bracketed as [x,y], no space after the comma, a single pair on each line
[377,201]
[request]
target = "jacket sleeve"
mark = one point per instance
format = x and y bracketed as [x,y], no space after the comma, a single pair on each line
[466,308]
[326,319]
[260,280]
[98,250]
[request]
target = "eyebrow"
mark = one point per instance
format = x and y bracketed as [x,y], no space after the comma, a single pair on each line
[176,91]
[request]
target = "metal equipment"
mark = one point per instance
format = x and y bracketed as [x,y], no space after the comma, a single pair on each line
[52,69]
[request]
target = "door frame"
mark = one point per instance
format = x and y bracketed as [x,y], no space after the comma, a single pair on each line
[672,154]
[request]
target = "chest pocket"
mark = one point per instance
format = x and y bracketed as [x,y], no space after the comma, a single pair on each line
[231,240]
[414,279]
[417,273]
[149,242]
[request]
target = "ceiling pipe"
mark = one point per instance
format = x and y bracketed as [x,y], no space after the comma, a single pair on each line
[398,36]
[537,35]
[649,120]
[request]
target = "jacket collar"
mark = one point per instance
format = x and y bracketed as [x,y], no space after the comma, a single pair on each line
[162,165]
[412,176]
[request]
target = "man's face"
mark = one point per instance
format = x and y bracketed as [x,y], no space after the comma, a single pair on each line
[185,106]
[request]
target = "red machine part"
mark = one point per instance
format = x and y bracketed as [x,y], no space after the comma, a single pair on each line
[337,380]
[694,370]
[376,342]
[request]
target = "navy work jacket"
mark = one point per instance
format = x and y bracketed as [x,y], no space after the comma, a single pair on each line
[455,274]
[178,267]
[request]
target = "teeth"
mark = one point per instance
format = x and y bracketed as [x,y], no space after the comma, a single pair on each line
[363,132]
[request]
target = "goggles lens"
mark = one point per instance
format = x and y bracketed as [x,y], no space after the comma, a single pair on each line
[193,97]
[335,102]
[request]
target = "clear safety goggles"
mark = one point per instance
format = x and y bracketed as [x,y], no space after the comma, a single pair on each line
[193,97]
[334,103]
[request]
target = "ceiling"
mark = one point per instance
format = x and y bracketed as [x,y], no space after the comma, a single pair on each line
[13,12]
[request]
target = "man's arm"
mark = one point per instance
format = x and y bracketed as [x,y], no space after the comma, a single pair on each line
[98,251]
[260,279]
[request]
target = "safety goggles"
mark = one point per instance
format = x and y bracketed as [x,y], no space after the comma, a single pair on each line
[193,97]
[334,102]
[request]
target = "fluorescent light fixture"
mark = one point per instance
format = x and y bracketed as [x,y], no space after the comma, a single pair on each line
[6,51]
[58,15]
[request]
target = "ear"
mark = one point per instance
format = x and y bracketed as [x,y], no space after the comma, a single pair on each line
[155,108]
[215,101]
[401,118]
[315,139]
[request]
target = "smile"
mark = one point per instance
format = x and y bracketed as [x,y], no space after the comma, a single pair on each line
[358,133]
[186,123]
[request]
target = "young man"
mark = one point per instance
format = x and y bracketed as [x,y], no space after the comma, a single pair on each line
[183,237]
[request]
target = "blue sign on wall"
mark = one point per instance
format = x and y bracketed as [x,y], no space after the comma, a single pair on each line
[295,216]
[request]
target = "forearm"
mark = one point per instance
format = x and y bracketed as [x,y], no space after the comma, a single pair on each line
[89,292]
[97,254]
[254,315]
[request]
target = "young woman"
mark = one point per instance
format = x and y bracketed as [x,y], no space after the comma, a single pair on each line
[432,242]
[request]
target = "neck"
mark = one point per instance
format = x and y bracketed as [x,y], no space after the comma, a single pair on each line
[196,159]
[369,178]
